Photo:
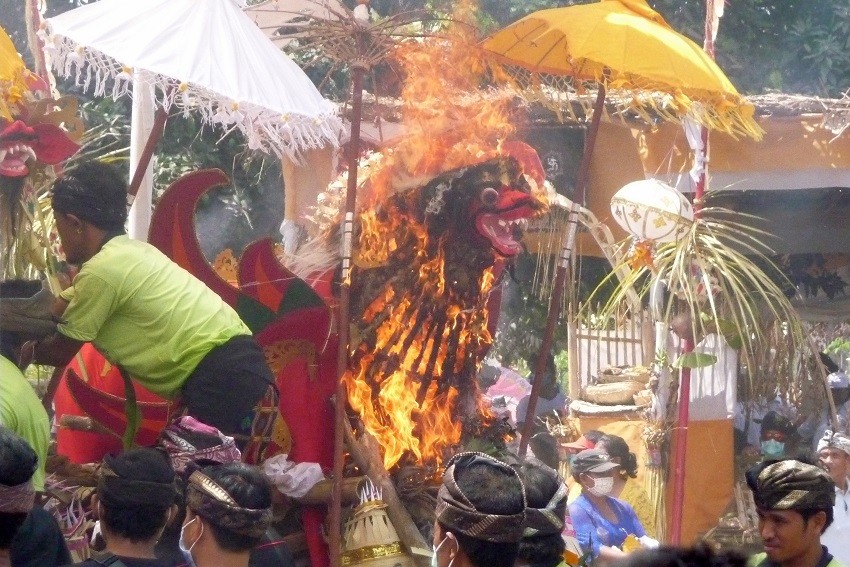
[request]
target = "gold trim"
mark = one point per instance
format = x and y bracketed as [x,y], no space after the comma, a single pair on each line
[210,487]
[361,554]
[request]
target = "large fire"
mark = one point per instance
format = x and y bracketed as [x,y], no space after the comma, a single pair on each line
[426,261]
[445,210]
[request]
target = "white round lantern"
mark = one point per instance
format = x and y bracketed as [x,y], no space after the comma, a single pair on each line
[650,209]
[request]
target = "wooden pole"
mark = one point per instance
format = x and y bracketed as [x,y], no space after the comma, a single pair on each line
[340,420]
[562,271]
[158,128]
[681,442]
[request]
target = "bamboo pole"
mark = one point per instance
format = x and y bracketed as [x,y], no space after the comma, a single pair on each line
[340,425]
[563,268]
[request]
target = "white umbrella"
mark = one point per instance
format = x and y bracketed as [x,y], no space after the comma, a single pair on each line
[199,55]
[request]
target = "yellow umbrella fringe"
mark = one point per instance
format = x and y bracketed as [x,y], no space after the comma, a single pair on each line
[721,112]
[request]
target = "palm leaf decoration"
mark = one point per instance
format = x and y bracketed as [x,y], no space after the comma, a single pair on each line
[719,279]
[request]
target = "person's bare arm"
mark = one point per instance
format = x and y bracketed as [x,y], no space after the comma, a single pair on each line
[57,350]
[58,308]
[607,553]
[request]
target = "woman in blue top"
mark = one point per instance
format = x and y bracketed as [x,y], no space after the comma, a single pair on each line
[601,523]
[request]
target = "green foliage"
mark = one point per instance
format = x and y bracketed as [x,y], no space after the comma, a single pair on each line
[523,318]
[786,45]
[695,360]
[523,312]
[839,346]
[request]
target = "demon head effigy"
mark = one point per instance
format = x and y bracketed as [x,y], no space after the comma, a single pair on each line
[36,133]
[425,264]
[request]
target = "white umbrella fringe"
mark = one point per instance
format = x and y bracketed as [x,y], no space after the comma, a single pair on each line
[285,135]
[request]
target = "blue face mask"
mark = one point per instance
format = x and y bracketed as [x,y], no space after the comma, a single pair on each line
[187,551]
[772,448]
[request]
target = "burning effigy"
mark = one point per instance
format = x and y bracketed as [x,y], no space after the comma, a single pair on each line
[441,214]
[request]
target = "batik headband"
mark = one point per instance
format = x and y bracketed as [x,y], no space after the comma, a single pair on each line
[837,440]
[209,500]
[548,520]
[791,485]
[18,499]
[458,514]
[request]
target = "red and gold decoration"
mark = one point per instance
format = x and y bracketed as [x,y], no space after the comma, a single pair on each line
[36,133]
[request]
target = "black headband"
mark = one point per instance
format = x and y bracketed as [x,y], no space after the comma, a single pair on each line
[116,491]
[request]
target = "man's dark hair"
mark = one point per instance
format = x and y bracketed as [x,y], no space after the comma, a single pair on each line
[11,342]
[136,523]
[95,192]
[141,471]
[617,448]
[250,489]
[18,462]
[700,555]
[545,448]
[545,550]
[808,514]
[492,491]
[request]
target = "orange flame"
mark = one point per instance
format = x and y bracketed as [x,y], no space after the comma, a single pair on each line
[450,120]
[415,325]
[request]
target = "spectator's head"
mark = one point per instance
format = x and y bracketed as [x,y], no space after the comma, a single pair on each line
[545,448]
[839,387]
[618,451]
[794,502]
[87,201]
[777,435]
[699,556]
[18,462]
[228,510]
[594,470]
[546,493]
[136,496]
[488,375]
[834,455]
[480,513]
[549,386]
[828,363]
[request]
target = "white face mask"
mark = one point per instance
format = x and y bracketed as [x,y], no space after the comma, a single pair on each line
[434,562]
[187,551]
[602,486]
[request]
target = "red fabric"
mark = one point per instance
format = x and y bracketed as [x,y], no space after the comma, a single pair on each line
[306,384]
[312,519]
[82,446]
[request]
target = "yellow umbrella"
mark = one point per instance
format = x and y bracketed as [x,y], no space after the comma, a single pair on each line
[13,75]
[626,45]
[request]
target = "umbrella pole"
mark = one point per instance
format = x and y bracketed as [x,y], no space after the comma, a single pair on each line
[562,271]
[147,153]
[340,419]
[681,443]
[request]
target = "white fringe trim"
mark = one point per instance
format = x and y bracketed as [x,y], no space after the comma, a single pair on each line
[266,130]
